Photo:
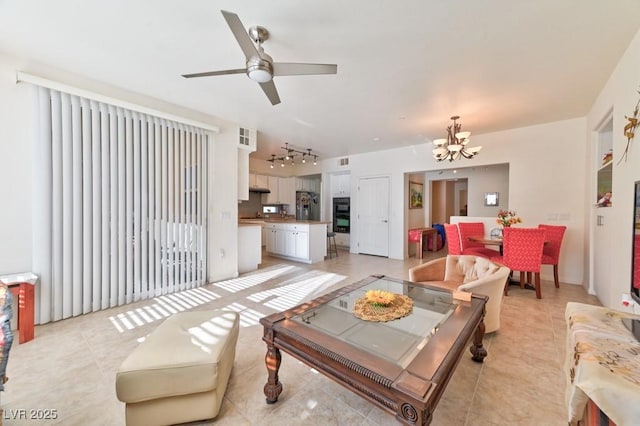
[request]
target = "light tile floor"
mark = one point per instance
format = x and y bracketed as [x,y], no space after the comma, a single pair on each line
[70,366]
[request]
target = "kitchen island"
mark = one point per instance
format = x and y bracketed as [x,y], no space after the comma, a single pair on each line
[249,247]
[303,241]
[300,240]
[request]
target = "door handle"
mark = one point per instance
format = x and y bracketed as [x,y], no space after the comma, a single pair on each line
[385,220]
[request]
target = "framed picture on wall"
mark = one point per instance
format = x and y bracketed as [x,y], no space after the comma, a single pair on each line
[491,199]
[416,194]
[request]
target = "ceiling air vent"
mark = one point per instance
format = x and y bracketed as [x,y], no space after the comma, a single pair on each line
[344,161]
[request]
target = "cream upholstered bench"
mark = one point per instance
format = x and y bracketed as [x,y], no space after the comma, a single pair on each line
[180,372]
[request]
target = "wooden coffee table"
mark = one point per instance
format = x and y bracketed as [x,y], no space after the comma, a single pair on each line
[402,366]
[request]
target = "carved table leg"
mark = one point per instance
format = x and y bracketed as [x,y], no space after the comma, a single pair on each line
[477,350]
[273,388]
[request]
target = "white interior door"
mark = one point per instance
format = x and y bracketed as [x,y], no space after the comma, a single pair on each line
[602,243]
[373,216]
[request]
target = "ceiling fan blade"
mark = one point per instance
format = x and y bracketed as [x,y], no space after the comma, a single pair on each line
[269,89]
[240,33]
[290,68]
[210,73]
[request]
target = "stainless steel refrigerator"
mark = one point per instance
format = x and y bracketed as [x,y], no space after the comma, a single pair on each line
[307,205]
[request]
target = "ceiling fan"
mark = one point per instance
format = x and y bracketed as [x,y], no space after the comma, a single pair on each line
[260,66]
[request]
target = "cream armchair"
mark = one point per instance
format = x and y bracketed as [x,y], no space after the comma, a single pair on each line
[473,274]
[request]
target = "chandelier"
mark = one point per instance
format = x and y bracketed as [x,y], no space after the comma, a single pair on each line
[455,145]
[290,156]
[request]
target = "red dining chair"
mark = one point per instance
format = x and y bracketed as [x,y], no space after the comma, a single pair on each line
[522,248]
[474,229]
[551,251]
[453,239]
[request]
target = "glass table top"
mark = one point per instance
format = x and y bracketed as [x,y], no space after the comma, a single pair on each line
[397,341]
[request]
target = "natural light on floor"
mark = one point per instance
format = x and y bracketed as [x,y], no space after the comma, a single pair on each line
[284,294]
[250,280]
[296,290]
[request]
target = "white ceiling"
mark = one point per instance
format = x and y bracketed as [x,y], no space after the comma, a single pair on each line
[404,67]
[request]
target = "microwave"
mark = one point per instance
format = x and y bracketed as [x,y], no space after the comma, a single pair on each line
[268,209]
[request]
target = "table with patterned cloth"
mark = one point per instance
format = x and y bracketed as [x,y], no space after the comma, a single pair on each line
[602,364]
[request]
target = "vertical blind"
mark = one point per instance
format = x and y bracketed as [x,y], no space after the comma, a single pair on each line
[120,203]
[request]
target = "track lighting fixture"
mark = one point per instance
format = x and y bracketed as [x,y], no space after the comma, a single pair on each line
[290,154]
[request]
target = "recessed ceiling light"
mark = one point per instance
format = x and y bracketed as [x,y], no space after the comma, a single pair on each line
[376,139]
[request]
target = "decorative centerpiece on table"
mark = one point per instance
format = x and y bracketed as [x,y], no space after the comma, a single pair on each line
[506,218]
[380,305]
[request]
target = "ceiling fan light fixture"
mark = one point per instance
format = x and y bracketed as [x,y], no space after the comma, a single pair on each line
[259,70]
[259,66]
[259,75]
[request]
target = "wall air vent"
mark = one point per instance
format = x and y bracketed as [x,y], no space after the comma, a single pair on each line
[344,161]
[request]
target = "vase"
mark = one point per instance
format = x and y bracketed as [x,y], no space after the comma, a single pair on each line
[496,233]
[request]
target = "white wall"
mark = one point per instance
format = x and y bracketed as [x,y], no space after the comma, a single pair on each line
[16,173]
[223,207]
[620,94]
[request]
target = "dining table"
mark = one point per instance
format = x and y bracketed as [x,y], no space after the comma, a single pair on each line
[492,241]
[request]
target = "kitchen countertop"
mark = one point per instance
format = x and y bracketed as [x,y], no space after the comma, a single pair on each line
[258,221]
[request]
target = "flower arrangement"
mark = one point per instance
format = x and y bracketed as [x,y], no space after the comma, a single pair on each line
[507,218]
[379,297]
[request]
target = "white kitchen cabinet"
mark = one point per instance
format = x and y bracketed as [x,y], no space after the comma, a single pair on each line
[307,184]
[301,243]
[286,194]
[341,185]
[295,241]
[301,184]
[258,181]
[316,185]
[270,239]
[262,181]
[273,185]
[282,241]
[282,191]
[247,139]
